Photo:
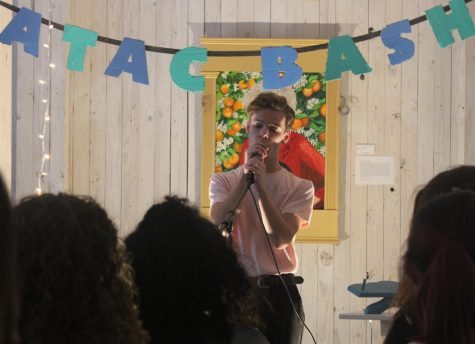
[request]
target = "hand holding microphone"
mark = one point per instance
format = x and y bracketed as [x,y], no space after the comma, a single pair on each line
[255,161]
[250,174]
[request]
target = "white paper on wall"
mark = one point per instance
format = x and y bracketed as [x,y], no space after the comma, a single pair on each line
[374,170]
[365,149]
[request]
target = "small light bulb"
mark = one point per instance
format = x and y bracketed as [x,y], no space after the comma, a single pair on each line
[44,174]
[52,65]
[51,26]
[47,118]
[46,45]
[44,101]
[38,191]
[41,82]
[46,156]
[41,136]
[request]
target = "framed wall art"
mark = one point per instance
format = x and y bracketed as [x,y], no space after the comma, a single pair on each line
[231,82]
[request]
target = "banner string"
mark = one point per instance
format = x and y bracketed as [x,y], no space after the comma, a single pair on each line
[370,35]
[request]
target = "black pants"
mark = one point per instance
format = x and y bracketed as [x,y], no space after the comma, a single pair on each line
[282,326]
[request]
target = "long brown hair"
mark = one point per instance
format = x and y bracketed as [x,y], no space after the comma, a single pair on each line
[460,177]
[440,259]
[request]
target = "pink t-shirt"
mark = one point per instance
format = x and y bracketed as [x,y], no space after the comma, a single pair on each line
[289,194]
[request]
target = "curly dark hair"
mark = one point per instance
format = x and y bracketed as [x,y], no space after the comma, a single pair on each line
[192,288]
[76,283]
[8,296]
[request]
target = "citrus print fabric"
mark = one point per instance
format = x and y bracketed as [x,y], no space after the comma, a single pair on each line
[303,155]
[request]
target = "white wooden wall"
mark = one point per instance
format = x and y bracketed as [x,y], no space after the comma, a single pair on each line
[28,108]
[6,74]
[128,145]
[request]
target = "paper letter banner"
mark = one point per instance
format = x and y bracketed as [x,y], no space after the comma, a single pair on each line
[343,55]
[180,66]
[443,24]
[80,39]
[130,58]
[278,67]
[391,37]
[24,28]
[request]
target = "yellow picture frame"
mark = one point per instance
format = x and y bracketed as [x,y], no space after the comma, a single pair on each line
[324,224]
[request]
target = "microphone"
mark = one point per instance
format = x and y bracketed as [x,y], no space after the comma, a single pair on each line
[256,155]
[226,227]
[250,174]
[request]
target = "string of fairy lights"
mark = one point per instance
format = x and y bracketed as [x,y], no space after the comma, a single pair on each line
[44,135]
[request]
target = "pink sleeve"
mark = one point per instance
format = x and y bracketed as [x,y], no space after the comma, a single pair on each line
[301,202]
[218,188]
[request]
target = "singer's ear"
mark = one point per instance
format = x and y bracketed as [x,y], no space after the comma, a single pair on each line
[286,137]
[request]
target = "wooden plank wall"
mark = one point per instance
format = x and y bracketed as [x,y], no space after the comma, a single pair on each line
[469,101]
[6,72]
[129,145]
[28,107]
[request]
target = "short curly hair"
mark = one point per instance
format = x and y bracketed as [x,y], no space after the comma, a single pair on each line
[75,280]
[190,283]
[272,101]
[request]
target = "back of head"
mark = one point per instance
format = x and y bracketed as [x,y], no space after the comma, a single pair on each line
[440,258]
[461,177]
[272,101]
[190,284]
[8,299]
[75,282]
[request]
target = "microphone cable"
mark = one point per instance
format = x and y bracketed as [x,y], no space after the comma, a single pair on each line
[277,266]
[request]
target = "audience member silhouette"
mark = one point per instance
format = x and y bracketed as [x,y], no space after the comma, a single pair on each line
[440,259]
[8,297]
[404,326]
[75,282]
[191,288]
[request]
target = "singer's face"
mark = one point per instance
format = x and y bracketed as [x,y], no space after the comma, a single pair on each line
[268,126]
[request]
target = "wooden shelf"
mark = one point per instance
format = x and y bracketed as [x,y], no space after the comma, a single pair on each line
[362,316]
[385,319]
